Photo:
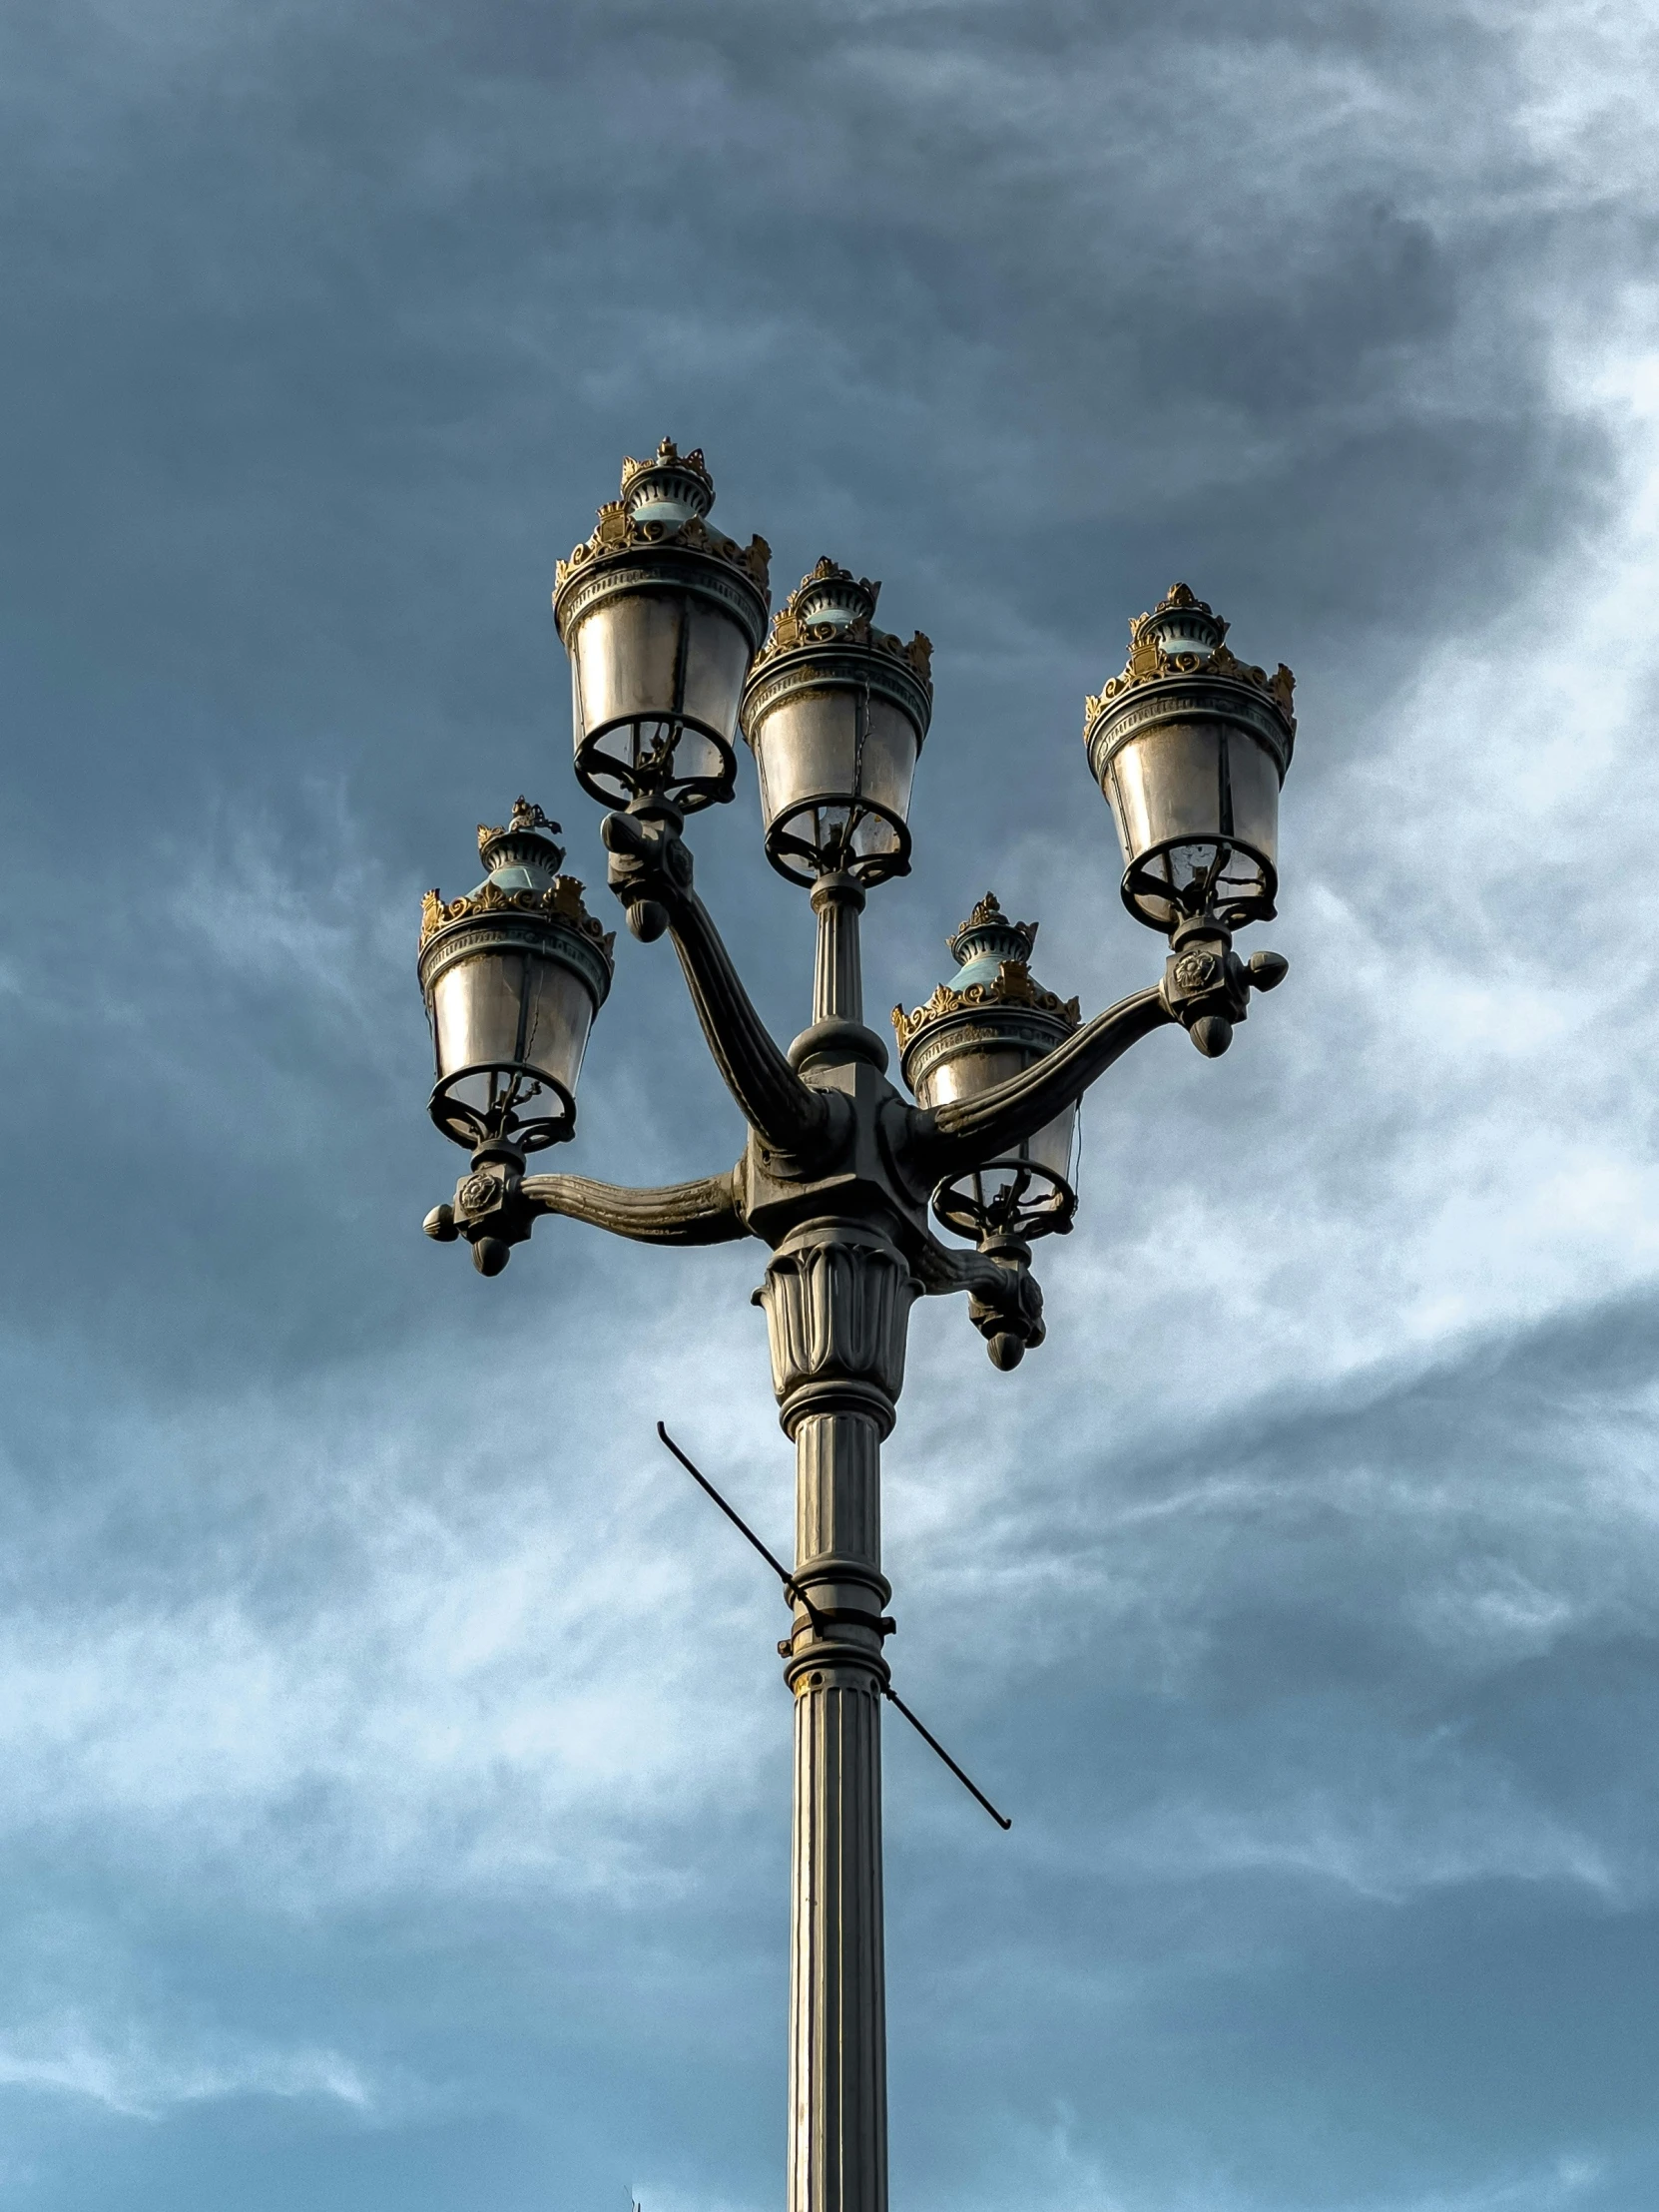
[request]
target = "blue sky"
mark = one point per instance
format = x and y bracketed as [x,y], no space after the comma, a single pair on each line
[381,1826]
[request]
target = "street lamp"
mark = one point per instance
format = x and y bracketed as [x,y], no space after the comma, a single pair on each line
[664,623]
[513,976]
[661,617]
[993,1019]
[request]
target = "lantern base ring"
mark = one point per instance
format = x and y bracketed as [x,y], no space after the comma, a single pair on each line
[1163,904]
[652,772]
[796,854]
[465,1124]
[1037,1203]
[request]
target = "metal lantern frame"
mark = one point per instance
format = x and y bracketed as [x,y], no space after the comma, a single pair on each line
[824,652]
[531,926]
[652,553]
[1203,697]
[842,1179]
[1008,1016]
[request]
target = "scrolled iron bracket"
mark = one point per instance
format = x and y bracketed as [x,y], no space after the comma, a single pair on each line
[1006,1300]
[497,1205]
[651,872]
[1207,987]
[489,1209]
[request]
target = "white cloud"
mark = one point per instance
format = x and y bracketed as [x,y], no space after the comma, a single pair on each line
[75,2058]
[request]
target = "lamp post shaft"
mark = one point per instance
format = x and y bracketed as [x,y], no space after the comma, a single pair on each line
[838,1296]
[837,1986]
[837,974]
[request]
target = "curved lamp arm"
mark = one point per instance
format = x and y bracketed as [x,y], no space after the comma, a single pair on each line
[651,872]
[1005,1303]
[788,1114]
[946,1139]
[943,1269]
[700,1213]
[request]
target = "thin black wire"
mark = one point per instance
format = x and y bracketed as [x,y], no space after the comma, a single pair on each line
[792,1590]
[928,1737]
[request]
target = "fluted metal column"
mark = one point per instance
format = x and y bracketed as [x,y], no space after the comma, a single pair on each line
[837,1300]
[837,975]
[837,1985]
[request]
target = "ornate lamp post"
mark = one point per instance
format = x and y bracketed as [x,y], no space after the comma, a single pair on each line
[663,622]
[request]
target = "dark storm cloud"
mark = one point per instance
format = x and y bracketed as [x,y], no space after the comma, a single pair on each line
[363,1844]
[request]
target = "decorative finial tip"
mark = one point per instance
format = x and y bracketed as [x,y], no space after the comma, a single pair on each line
[987,928]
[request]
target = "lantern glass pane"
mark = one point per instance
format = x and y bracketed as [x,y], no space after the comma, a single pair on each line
[625,663]
[717,660]
[1194,784]
[1253,780]
[1167,785]
[1051,1147]
[559,1016]
[889,760]
[506,1008]
[808,746]
[806,749]
[475,1010]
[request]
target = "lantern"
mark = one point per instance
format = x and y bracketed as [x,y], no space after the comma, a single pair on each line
[513,976]
[660,616]
[836,711]
[1190,747]
[993,1019]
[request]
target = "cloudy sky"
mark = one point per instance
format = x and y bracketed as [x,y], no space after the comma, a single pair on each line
[376,1831]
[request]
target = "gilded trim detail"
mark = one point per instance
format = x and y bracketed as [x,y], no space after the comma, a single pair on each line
[1149,663]
[1013,988]
[563,901]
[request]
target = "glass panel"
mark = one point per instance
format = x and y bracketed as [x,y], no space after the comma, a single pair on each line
[1254,777]
[476,1019]
[717,660]
[559,1017]
[993,1183]
[1167,784]
[876,836]
[807,747]
[967,1074]
[475,1012]
[624,658]
[1051,1147]
[890,758]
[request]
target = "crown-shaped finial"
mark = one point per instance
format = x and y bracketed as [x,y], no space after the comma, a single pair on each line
[1180,623]
[833,594]
[528,835]
[988,932]
[670,487]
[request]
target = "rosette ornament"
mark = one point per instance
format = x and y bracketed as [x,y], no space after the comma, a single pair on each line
[1190,747]
[993,1019]
[660,615]
[512,976]
[836,711]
